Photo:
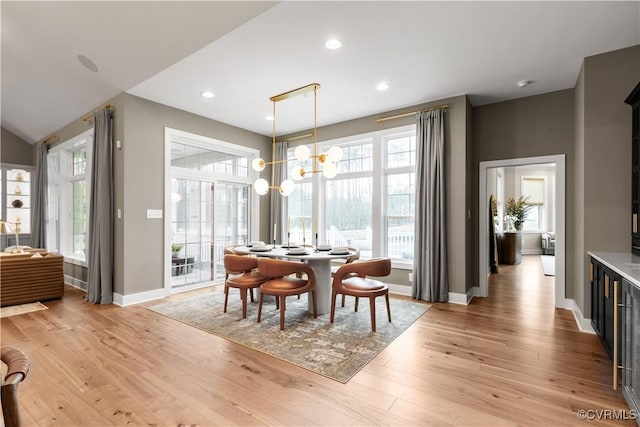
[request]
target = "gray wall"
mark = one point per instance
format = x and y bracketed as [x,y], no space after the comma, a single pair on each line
[539,125]
[143,179]
[15,150]
[139,182]
[608,79]
[457,153]
[575,259]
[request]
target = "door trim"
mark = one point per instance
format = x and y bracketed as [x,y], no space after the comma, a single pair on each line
[560,300]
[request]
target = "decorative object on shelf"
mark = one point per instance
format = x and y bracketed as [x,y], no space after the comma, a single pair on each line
[17,203]
[17,190]
[302,152]
[18,176]
[516,211]
[6,228]
[176,248]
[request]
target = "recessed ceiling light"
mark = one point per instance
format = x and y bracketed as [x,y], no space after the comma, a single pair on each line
[523,83]
[88,64]
[382,86]
[269,118]
[207,94]
[333,44]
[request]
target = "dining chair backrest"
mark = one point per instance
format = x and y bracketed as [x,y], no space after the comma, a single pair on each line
[375,267]
[239,263]
[280,268]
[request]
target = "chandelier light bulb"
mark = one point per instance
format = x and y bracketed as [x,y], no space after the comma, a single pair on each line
[329,170]
[335,154]
[302,152]
[297,174]
[261,186]
[258,165]
[287,187]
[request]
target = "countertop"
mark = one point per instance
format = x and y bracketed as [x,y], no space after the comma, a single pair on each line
[624,263]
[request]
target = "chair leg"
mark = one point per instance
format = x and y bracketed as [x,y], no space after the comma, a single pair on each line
[226,297]
[251,293]
[372,304]
[333,305]
[343,299]
[357,300]
[277,303]
[315,304]
[282,310]
[386,297]
[243,296]
[260,307]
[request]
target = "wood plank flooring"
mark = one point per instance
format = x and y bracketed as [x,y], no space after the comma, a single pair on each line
[510,359]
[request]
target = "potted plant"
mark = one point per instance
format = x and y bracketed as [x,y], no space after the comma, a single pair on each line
[176,248]
[516,211]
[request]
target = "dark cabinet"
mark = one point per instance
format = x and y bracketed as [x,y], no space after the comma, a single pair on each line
[634,100]
[606,310]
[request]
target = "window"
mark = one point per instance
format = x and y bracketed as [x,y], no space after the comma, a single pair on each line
[532,188]
[68,195]
[370,204]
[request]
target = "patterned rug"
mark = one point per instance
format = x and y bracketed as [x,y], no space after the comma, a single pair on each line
[336,351]
[14,310]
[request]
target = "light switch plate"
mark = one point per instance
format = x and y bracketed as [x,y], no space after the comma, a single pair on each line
[154,213]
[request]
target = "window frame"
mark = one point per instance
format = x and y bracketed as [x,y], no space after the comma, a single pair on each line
[62,218]
[378,174]
[539,206]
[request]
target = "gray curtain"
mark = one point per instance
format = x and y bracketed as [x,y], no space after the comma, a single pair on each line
[100,245]
[278,210]
[431,282]
[39,208]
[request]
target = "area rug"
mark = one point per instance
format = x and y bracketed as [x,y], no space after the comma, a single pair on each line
[14,310]
[548,265]
[337,350]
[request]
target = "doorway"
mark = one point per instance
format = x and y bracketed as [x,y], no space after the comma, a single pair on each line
[559,200]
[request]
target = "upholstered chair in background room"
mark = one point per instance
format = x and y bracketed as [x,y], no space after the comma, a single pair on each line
[353,279]
[17,369]
[281,284]
[241,274]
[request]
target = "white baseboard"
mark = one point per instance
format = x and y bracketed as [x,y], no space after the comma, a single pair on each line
[531,251]
[463,299]
[399,289]
[76,283]
[583,323]
[124,300]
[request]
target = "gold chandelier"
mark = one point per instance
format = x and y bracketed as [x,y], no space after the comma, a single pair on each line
[327,161]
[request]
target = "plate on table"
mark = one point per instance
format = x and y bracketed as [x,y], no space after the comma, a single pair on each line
[290,245]
[324,247]
[255,243]
[260,249]
[339,251]
[297,251]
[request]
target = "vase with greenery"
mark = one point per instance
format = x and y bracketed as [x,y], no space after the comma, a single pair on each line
[176,248]
[516,211]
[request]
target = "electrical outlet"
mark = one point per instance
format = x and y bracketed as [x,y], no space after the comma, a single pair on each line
[410,277]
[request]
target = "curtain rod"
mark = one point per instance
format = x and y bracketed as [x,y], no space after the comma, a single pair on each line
[50,138]
[293,138]
[89,117]
[439,107]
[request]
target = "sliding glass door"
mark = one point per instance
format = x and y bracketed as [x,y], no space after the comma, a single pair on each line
[210,200]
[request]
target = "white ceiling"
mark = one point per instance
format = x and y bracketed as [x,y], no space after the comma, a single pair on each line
[169,52]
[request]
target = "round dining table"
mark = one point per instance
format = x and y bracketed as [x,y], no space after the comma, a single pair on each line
[319,261]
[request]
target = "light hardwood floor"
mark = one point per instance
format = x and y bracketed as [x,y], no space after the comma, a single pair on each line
[505,360]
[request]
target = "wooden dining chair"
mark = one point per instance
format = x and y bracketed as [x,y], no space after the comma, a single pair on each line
[353,279]
[241,273]
[349,260]
[17,369]
[282,284]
